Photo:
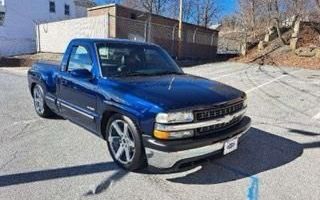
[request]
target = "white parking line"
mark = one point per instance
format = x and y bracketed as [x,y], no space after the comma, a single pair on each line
[273,80]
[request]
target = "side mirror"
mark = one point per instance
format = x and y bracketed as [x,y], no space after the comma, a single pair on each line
[82,73]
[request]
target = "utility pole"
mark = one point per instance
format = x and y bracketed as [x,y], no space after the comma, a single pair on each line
[180,43]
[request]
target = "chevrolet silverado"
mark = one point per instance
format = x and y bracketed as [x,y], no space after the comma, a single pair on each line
[135,97]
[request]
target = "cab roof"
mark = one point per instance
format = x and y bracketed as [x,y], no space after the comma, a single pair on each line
[115,41]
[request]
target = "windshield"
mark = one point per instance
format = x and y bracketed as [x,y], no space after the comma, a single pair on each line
[118,60]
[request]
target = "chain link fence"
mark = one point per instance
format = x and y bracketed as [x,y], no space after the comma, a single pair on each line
[197,42]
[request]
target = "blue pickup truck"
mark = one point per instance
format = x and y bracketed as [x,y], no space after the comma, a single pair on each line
[135,97]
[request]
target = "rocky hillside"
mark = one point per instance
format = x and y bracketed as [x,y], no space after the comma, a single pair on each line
[301,48]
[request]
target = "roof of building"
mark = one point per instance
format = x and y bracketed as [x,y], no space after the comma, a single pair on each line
[102,6]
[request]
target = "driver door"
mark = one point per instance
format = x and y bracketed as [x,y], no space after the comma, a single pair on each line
[77,98]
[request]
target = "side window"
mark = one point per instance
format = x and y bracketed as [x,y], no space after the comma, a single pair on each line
[2,12]
[52,6]
[66,10]
[79,59]
[2,15]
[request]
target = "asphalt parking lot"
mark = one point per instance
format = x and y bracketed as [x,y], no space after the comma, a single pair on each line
[280,158]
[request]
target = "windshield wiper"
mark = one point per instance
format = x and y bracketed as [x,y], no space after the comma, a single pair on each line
[130,74]
[136,74]
[168,73]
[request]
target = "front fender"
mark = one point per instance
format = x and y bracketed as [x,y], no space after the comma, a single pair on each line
[142,114]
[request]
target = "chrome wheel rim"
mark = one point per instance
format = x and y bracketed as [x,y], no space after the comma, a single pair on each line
[38,99]
[121,141]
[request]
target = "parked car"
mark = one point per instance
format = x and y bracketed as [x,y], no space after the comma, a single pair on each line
[134,96]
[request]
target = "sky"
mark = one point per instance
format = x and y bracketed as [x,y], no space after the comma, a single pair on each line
[226,6]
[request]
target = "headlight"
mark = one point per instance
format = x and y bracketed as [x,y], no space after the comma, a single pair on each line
[177,117]
[164,135]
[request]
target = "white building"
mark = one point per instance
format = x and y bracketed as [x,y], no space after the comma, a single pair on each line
[19,17]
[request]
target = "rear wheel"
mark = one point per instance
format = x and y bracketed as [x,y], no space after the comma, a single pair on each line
[39,103]
[124,143]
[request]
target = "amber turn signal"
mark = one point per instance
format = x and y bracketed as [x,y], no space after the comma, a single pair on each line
[173,135]
[161,135]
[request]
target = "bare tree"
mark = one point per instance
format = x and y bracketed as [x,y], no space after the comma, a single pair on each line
[297,8]
[277,19]
[197,13]
[173,9]
[210,11]
[252,10]
[230,23]
[200,12]
[317,4]
[205,12]
[187,10]
[248,12]
[150,6]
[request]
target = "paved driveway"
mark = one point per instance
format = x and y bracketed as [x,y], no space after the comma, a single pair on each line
[280,159]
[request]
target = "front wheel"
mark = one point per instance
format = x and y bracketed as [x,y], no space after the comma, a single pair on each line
[124,143]
[39,103]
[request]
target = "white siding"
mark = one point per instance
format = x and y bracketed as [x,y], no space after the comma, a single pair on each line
[18,34]
[55,36]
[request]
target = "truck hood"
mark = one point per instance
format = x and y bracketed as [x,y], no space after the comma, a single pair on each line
[172,92]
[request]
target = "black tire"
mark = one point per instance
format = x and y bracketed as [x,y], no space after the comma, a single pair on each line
[39,103]
[138,157]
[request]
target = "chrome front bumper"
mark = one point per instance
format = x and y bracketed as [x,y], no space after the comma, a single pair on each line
[166,160]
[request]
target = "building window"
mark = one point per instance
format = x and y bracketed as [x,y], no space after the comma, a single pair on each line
[67,9]
[2,14]
[52,6]
[1,2]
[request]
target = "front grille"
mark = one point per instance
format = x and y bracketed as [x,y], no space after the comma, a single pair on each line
[213,113]
[218,112]
[218,127]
